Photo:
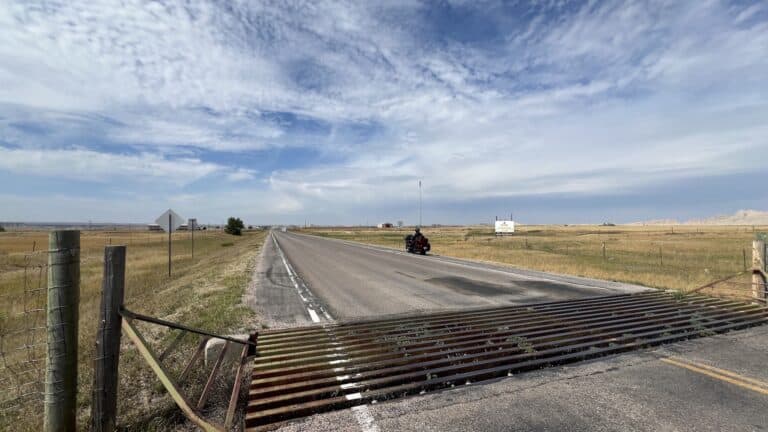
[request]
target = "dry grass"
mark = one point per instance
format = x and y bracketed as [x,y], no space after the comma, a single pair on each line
[679,257]
[205,292]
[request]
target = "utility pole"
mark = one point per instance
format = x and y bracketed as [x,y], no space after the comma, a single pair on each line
[170,225]
[419,203]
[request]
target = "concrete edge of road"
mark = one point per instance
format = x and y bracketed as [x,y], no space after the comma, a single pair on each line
[501,267]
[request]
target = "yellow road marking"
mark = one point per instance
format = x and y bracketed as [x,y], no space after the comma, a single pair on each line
[720,374]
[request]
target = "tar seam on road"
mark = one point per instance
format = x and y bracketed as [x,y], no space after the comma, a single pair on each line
[451,261]
[361,412]
[719,374]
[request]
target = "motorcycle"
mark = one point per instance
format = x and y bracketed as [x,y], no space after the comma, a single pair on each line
[417,244]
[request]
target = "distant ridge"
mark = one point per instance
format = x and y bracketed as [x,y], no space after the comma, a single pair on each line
[741,217]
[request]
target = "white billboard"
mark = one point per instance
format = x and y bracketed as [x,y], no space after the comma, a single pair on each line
[505,227]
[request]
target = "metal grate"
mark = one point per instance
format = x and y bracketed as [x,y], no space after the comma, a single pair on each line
[310,370]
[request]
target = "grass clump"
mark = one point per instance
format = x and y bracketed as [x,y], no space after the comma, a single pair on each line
[204,292]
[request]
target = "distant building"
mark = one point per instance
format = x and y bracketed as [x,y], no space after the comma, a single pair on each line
[385,225]
[154,227]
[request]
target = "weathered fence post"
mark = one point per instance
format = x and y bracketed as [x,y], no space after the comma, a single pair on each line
[62,324]
[604,251]
[758,270]
[105,364]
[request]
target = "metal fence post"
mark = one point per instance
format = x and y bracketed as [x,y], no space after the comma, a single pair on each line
[106,362]
[758,270]
[62,325]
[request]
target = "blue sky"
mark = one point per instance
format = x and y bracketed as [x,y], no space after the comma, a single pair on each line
[281,112]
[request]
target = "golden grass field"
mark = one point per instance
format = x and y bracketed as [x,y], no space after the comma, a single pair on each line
[669,257]
[205,292]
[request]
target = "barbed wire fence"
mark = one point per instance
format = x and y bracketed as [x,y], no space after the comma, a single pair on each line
[23,337]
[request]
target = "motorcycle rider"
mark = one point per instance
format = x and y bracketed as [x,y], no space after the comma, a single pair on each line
[418,235]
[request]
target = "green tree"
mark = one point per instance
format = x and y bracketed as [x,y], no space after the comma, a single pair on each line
[234,226]
[2,229]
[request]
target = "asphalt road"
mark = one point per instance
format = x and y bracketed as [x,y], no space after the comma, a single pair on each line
[711,384]
[354,280]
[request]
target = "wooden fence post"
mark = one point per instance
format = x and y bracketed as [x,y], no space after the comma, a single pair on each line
[603,251]
[60,412]
[107,359]
[758,270]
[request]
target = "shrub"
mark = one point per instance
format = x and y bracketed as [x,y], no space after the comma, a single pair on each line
[234,226]
[2,229]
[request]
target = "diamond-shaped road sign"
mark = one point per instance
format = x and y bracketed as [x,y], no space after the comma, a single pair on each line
[169,224]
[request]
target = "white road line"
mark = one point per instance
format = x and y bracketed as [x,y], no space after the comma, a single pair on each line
[364,418]
[313,315]
[361,412]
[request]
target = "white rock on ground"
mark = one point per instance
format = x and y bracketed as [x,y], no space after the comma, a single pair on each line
[213,349]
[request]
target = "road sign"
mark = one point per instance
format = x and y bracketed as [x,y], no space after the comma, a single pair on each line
[505,227]
[169,224]
[169,221]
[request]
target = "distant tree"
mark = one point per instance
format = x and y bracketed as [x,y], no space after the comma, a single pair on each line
[2,229]
[250,227]
[399,224]
[234,226]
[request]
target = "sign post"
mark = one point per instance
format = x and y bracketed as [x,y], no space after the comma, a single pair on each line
[169,221]
[192,225]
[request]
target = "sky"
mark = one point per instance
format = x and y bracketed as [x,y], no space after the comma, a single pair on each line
[331,112]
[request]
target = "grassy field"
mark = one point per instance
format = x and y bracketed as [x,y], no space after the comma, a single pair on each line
[204,292]
[669,257]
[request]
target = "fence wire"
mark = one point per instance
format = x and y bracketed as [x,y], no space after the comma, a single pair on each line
[739,286]
[22,335]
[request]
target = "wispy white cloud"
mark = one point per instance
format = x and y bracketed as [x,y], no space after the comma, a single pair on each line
[241,174]
[545,97]
[99,167]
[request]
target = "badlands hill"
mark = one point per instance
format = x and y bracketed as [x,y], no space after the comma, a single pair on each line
[741,217]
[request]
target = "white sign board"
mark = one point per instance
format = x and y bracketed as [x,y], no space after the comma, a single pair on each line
[505,227]
[169,224]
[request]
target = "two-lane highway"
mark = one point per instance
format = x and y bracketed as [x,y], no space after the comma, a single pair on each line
[355,280]
[710,384]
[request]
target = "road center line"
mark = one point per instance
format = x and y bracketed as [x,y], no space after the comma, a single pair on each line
[720,374]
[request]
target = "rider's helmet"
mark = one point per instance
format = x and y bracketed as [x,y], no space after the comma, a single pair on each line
[418,230]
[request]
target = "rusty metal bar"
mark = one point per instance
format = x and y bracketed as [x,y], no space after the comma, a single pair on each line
[469,335]
[363,332]
[267,336]
[212,376]
[468,360]
[170,386]
[172,346]
[283,383]
[139,317]
[193,359]
[273,355]
[236,389]
[496,368]
[316,369]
